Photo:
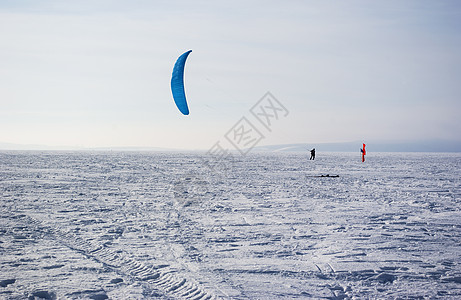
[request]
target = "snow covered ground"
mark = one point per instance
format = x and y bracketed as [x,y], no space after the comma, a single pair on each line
[119,225]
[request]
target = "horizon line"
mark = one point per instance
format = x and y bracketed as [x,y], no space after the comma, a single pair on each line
[383,146]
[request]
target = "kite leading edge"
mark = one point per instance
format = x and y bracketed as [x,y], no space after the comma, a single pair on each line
[177,83]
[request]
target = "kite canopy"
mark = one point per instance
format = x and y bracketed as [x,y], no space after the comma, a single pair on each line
[177,83]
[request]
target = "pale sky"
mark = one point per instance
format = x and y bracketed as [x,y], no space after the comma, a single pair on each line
[97,73]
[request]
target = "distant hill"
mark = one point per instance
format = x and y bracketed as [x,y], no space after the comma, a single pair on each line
[33,147]
[11,146]
[422,146]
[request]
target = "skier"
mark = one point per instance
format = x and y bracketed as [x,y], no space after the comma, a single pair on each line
[312,154]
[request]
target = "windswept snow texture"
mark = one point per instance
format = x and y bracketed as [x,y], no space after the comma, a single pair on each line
[164,225]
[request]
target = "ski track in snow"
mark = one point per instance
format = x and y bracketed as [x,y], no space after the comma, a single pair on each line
[163,225]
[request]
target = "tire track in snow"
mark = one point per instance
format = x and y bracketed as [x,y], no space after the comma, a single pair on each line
[157,279]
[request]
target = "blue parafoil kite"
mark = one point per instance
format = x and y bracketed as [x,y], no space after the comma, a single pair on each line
[177,83]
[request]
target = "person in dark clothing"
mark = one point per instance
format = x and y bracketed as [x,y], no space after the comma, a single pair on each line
[312,154]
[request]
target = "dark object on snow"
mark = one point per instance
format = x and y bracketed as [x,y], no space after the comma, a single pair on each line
[99,297]
[4,283]
[116,280]
[43,295]
[385,278]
